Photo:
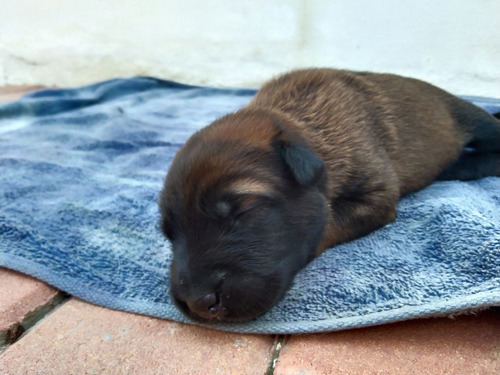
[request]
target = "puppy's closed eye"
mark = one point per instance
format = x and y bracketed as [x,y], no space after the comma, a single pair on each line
[235,205]
[223,208]
[242,196]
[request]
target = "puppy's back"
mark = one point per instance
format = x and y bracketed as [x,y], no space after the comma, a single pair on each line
[357,118]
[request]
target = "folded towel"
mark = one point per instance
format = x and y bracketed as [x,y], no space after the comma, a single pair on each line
[81,170]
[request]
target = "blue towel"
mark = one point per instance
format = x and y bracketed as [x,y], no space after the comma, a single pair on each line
[80,174]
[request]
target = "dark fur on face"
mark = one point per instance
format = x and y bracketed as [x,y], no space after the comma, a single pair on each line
[318,157]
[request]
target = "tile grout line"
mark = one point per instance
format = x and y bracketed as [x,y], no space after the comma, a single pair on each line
[17,330]
[276,353]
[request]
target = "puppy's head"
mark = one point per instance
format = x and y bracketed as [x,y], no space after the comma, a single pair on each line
[243,209]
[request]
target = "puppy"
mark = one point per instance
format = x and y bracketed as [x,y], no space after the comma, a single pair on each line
[318,157]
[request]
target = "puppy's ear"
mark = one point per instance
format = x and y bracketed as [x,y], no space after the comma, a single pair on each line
[306,167]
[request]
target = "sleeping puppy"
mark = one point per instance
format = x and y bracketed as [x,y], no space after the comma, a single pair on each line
[318,157]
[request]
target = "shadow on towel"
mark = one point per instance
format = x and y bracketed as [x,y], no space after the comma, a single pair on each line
[80,174]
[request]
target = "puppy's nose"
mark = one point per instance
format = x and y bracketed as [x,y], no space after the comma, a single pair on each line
[207,307]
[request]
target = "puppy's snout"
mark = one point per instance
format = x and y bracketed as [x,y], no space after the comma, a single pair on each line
[200,295]
[208,307]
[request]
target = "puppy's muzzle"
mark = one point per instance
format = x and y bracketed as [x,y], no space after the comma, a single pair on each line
[200,298]
[208,307]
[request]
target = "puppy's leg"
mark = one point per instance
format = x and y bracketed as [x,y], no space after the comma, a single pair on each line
[486,135]
[483,155]
[481,128]
[471,166]
[358,213]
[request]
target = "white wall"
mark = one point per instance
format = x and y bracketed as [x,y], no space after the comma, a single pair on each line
[452,43]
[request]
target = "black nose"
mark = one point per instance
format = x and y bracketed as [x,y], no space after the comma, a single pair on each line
[207,307]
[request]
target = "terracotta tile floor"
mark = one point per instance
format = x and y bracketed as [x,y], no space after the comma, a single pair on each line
[70,336]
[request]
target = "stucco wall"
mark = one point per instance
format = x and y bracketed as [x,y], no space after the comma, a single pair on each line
[452,43]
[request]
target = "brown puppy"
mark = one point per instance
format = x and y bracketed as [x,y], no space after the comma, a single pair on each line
[318,157]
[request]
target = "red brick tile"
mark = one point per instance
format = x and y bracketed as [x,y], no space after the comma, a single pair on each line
[23,300]
[467,345]
[9,93]
[79,338]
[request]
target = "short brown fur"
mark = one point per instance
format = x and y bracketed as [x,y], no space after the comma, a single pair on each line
[396,133]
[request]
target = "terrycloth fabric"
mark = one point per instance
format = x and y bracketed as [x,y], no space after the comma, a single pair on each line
[80,174]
